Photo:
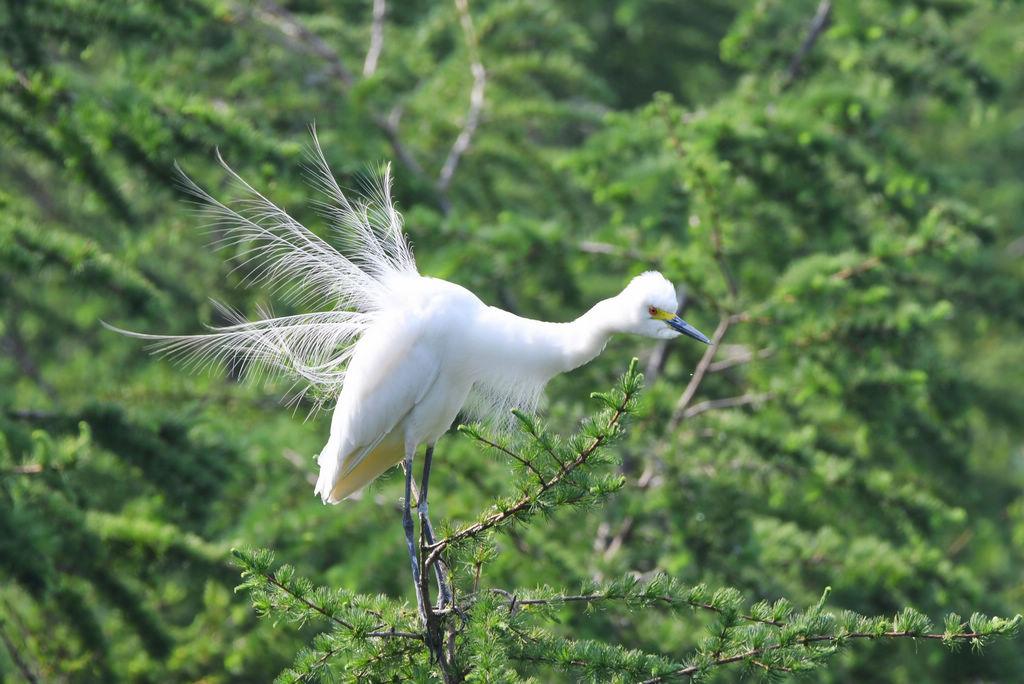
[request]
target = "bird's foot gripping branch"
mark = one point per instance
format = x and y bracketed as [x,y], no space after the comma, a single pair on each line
[511,633]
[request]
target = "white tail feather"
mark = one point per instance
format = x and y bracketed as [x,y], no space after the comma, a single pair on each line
[279,252]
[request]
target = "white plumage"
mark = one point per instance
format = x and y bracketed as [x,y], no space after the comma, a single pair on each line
[401,352]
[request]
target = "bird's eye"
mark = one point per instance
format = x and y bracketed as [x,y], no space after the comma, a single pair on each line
[652,310]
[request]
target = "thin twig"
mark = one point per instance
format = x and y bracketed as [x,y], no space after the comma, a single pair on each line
[770,668]
[528,499]
[728,402]
[390,633]
[476,100]
[873,262]
[273,580]
[509,452]
[547,447]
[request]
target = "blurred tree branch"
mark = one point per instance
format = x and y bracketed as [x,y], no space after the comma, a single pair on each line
[376,38]
[818,24]
[476,100]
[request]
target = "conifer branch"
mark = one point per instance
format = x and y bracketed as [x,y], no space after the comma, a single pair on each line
[633,599]
[977,637]
[316,664]
[793,643]
[256,568]
[273,581]
[526,501]
[521,507]
[27,469]
[840,275]
[511,454]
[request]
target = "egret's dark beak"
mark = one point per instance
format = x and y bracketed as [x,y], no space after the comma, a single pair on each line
[677,323]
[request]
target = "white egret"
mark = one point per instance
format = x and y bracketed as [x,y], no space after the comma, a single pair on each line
[403,353]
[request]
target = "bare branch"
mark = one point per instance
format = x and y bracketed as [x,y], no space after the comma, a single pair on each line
[698,374]
[818,25]
[476,100]
[26,469]
[376,38]
[591,247]
[647,478]
[305,40]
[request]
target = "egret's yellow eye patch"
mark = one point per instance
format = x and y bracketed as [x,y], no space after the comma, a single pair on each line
[660,315]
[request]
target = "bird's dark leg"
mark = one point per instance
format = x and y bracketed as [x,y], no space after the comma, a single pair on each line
[443,583]
[410,536]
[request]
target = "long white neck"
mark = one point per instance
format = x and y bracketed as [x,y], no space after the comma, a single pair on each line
[584,338]
[517,349]
[509,359]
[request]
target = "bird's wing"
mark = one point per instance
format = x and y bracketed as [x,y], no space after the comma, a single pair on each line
[392,370]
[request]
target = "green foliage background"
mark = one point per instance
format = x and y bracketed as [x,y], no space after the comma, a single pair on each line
[843,206]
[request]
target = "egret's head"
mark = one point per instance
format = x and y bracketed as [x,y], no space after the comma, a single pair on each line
[650,306]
